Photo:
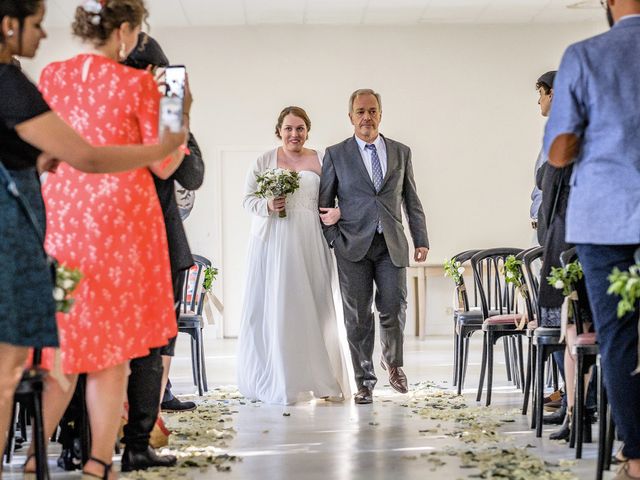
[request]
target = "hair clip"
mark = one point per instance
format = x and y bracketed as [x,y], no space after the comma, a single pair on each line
[92,6]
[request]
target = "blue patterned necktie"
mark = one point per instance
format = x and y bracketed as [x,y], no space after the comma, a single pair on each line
[376,170]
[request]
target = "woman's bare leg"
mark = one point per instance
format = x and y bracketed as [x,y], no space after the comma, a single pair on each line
[55,401]
[106,392]
[11,368]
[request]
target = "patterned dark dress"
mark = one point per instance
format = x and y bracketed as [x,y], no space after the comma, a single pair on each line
[27,308]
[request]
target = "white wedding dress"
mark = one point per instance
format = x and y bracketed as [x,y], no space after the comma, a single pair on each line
[291,346]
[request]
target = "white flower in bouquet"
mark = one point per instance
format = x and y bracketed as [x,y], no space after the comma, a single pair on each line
[460,270]
[277,182]
[559,284]
[58,294]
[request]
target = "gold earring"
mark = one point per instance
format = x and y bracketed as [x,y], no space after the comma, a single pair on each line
[123,51]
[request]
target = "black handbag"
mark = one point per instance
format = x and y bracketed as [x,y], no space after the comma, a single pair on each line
[12,188]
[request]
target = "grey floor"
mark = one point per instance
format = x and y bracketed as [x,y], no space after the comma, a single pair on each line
[321,440]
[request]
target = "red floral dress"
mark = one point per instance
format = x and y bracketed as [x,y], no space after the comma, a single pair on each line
[110,226]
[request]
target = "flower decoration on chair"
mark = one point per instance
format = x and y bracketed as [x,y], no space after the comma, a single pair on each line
[210,274]
[455,270]
[277,182]
[565,279]
[93,8]
[512,271]
[67,280]
[627,286]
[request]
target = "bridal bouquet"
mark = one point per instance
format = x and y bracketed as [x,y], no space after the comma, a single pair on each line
[277,182]
[67,280]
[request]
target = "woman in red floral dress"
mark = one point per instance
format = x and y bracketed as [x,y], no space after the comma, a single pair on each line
[109,226]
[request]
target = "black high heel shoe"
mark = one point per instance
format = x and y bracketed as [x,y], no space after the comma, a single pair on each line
[105,475]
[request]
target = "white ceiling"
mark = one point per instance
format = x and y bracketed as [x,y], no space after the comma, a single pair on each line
[183,13]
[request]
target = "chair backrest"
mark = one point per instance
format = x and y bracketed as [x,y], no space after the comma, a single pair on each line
[495,293]
[531,274]
[193,292]
[464,257]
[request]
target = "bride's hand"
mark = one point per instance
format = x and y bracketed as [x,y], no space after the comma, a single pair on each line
[329,216]
[276,204]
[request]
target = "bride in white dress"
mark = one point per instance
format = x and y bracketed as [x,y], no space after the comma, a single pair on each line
[291,346]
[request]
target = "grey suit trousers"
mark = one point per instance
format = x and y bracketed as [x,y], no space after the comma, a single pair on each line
[357,280]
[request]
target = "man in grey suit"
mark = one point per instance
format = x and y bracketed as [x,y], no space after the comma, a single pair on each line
[372,178]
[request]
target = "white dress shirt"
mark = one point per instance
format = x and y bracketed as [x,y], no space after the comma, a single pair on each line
[381,148]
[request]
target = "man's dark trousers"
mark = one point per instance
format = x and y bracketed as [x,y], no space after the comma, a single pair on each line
[617,339]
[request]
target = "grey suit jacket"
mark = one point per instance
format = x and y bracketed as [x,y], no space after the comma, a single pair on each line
[345,177]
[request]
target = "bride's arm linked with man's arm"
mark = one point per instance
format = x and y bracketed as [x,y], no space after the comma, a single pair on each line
[327,195]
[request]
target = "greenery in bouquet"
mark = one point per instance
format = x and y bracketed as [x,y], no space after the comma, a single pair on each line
[210,274]
[454,270]
[626,285]
[565,278]
[67,280]
[277,182]
[512,271]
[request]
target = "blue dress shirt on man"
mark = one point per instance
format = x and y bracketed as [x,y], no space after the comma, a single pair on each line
[597,100]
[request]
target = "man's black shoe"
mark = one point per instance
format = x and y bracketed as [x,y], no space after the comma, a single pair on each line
[132,460]
[555,418]
[175,405]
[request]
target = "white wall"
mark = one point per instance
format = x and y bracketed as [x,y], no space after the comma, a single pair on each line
[461,96]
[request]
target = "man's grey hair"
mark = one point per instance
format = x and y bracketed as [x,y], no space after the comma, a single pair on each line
[364,91]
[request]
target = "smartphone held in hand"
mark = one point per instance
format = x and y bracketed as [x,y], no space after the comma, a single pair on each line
[175,78]
[172,103]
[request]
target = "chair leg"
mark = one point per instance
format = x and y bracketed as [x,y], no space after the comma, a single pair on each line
[507,357]
[483,366]
[22,421]
[197,363]
[578,408]
[611,434]
[460,360]
[527,381]
[534,385]
[490,343]
[539,406]
[203,367]
[193,358]
[556,385]
[40,449]
[11,436]
[85,424]
[455,352]
[466,357]
[520,361]
[602,436]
